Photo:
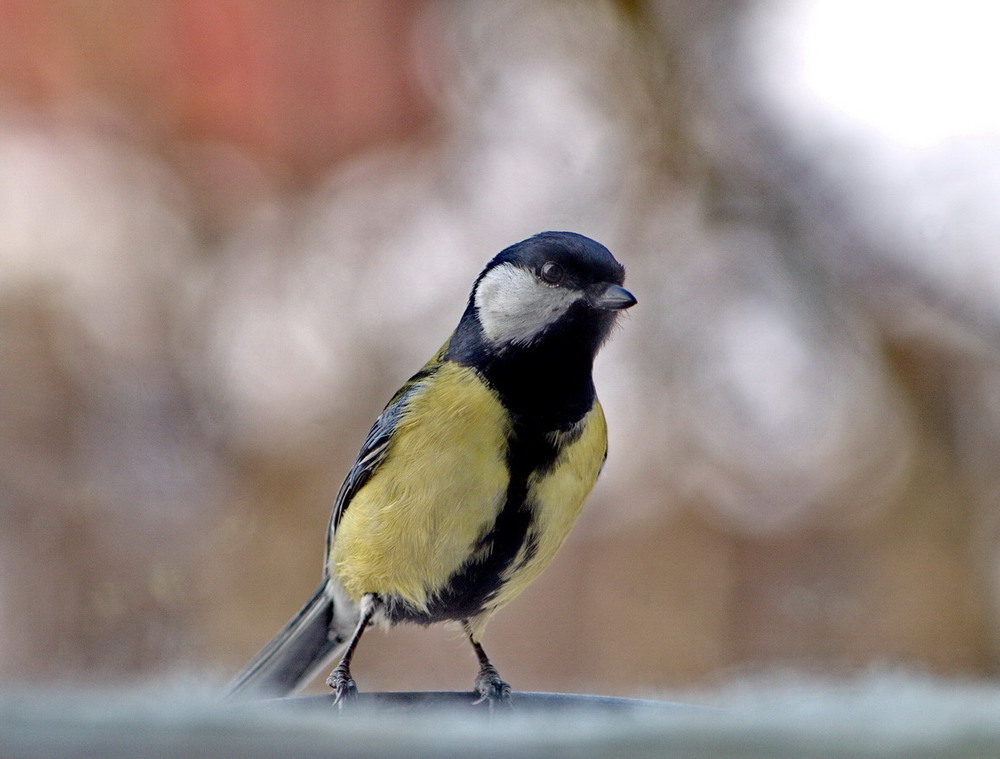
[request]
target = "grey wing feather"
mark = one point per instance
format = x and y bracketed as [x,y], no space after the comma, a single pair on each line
[374,449]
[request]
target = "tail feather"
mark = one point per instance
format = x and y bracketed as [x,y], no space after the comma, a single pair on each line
[294,654]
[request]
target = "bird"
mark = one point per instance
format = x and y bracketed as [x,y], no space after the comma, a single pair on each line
[473,474]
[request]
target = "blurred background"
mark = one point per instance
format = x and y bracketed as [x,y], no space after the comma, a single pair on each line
[230,230]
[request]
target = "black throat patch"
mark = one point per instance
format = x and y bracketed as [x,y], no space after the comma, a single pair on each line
[545,385]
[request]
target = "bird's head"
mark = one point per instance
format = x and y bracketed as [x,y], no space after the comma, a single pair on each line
[553,286]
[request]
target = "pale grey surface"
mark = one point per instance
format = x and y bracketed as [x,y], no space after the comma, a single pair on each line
[885,715]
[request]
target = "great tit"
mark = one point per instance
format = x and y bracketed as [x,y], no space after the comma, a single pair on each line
[473,475]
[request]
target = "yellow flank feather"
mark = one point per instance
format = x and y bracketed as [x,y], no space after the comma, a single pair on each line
[442,484]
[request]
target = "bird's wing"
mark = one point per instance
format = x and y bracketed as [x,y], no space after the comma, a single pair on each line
[376,446]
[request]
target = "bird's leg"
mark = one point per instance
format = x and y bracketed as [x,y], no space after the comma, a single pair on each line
[488,684]
[340,678]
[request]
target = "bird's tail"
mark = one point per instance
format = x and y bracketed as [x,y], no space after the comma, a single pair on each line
[292,657]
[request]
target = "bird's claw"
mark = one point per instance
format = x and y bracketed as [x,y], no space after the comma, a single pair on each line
[491,689]
[344,687]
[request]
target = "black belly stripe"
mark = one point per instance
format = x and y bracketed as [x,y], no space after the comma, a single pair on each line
[470,588]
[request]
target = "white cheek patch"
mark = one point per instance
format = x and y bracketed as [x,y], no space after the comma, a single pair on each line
[514,307]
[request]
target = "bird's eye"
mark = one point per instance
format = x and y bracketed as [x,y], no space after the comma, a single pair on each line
[551,272]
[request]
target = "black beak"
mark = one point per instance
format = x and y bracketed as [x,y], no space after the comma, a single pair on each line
[610,297]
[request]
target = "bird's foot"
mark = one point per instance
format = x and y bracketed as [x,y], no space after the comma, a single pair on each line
[344,687]
[491,688]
